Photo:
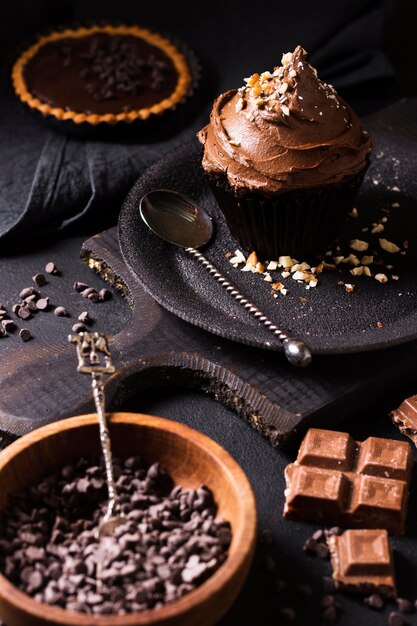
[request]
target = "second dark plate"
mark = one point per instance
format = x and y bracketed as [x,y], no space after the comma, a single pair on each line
[331,321]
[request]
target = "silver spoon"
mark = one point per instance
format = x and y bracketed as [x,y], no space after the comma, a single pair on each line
[94,358]
[177,219]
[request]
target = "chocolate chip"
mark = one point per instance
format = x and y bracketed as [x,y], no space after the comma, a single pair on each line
[310,545]
[94,297]
[330,615]
[288,614]
[31,305]
[8,325]
[42,304]
[322,551]
[405,606]
[318,535]
[78,328]
[60,311]
[25,334]
[105,294]
[266,537]
[80,286]
[84,318]
[89,290]
[395,619]
[51,268]
[24,313]
[39,279]
[16,307]
[374,601]
[28,291]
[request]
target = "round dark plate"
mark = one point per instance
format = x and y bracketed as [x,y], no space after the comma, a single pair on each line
[331,320]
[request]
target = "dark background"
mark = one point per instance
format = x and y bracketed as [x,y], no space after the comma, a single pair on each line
[233,39]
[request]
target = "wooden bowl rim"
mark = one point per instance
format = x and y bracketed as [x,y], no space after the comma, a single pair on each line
[243,539]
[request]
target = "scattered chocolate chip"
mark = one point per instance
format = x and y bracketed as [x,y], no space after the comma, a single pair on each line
[330,614]
[42,304]
[51,268]
[28,291]
[310,545]
[16,307]
[304,590]
[25,334]
[104,294]
[328,600]
[322,551]
[3,312]
[266,538]
[84,318]
[80,286]
[32,298]
[94,297]
[318,535]
[328,585]
[39,279]
[3,332]
[24,312]
[31,305]
[60,311]
[8,325]
[89,290]
[395,619]
[405,606]
[78,328]
[288,614]
[374,601]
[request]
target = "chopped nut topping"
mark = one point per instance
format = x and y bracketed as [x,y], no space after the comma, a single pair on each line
[381,278]
[379,324]
[234,143]
[272,265]
[268,278]
[283,88]
[286,58]
[354,213]
[349,287]
[388,246]
[239,105]
[292,73]
[358,245]
[367,271]
[377,229]
[285,261]
[285,110]
[357,271]
[367,260]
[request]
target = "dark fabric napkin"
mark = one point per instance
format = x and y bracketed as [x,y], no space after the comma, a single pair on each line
[51,182]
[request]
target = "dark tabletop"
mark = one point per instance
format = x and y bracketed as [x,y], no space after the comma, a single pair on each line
[232,42]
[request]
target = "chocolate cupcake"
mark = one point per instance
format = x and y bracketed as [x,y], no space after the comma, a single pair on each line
[102,75]
[286,157]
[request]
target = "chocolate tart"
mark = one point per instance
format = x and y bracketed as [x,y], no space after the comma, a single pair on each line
[102,75]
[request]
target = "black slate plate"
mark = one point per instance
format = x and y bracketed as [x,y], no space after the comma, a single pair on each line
[332,321]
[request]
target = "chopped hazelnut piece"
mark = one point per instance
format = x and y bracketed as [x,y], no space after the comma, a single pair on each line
[272,265]
[367,260]
[381,278]
[377,229]
[358,245]
[388,246]
[285,110]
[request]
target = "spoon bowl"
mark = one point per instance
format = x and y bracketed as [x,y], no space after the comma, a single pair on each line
[176,218]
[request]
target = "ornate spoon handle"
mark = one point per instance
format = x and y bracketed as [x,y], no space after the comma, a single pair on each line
[296,350]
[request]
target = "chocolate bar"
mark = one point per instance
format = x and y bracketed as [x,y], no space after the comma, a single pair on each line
[362,562]
[405,417]
[338,481]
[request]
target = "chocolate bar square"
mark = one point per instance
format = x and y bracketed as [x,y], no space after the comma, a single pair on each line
[362,561]
[336,480]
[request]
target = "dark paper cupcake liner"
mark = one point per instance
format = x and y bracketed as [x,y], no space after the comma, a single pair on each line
[301,223]
[156,127]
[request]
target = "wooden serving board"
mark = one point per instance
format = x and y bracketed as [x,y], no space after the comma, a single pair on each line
[153,347]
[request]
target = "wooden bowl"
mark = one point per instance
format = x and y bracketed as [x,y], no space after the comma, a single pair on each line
[191,458]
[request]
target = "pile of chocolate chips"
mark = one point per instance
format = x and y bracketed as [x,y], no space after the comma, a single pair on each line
[171,541]
[116,67]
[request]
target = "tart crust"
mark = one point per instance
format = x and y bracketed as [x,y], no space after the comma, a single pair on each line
[178,60]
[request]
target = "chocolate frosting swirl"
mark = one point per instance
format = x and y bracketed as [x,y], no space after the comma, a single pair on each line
[284,130]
